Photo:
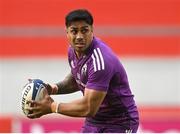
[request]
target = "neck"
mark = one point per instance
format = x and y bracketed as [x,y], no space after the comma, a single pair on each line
[78,54]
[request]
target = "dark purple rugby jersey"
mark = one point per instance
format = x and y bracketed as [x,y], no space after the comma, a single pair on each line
[100,69]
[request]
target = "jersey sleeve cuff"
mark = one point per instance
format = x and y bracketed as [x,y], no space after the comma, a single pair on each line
[97,87]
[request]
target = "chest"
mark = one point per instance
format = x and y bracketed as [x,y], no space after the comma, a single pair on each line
[79,70]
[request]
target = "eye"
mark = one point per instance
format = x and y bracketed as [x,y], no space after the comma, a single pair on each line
[84,31]
[74,32]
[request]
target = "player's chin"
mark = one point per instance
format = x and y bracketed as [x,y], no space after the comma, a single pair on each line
[80,49]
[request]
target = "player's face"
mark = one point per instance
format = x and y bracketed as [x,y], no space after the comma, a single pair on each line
[80,35]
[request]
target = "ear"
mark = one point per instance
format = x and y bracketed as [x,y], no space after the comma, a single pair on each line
[92,28]
[67,33]
[66,29]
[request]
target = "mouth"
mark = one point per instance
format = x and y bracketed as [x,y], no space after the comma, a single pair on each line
[80,44]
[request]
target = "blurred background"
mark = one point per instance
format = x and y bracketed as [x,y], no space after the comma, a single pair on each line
[145,34]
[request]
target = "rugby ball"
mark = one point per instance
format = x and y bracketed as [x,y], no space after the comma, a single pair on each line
[33,90]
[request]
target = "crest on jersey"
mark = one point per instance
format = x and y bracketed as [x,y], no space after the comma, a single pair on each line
[78,76]
[84,69]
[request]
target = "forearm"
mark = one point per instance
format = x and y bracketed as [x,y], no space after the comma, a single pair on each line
[87,106]
[78,108]
[68,85]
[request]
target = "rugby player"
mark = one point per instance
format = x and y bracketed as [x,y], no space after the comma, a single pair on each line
[107,102]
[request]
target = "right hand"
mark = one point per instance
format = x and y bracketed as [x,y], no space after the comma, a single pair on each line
[40,108]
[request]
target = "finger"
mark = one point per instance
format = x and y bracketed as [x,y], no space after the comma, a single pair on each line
[32,102]
[48,88]
[34,115]
[47,85]
[30,80]
[33,108]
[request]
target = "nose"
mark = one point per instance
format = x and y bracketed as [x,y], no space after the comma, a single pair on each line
[79,36]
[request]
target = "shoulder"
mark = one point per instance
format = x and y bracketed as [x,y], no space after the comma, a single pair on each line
[104,48]
[70,52]
[71,57]
[102,56]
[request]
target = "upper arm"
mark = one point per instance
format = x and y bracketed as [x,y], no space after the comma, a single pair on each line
[100,71]
[93,99]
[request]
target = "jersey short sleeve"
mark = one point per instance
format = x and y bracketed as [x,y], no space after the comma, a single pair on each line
[100,73]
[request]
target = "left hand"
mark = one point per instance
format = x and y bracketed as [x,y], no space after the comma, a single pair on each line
[40,108]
